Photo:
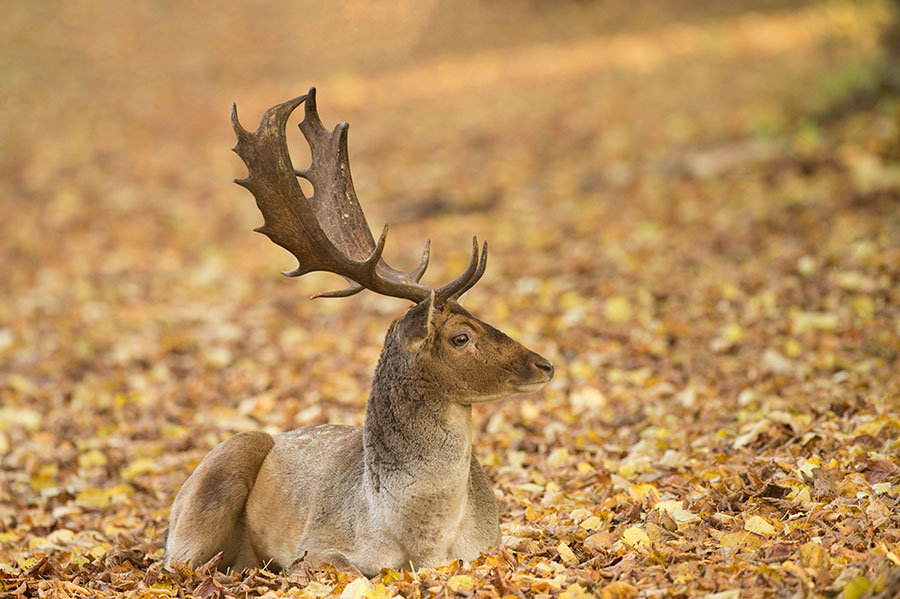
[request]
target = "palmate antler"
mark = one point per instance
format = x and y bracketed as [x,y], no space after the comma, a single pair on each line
[328,232]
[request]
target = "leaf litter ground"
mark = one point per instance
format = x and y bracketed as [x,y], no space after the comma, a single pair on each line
[697,221]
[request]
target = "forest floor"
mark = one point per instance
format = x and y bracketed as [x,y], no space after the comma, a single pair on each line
[697,221]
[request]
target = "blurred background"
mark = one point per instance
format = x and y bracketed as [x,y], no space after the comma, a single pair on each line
[692,208]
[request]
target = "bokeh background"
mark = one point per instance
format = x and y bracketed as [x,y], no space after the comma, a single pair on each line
[692,208]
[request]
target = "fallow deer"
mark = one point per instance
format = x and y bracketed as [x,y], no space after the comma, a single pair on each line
[404,488]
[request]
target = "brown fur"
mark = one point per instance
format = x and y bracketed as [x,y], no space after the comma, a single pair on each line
[208,513]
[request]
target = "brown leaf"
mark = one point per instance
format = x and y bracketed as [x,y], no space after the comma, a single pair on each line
[208,588]
[879,470]
[210,565]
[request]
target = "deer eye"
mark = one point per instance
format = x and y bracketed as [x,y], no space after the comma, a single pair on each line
[459,340]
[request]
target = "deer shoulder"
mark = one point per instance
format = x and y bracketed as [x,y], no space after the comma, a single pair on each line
[404,488]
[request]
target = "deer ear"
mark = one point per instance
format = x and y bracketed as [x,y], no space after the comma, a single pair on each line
[417,326]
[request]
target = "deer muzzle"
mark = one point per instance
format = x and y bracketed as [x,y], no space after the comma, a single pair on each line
[537,372]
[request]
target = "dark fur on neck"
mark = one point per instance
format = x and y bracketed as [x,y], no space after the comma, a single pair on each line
[410,423]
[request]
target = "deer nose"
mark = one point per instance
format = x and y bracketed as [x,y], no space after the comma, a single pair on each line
[546,366]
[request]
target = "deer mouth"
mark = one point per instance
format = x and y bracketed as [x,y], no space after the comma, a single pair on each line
[530,387]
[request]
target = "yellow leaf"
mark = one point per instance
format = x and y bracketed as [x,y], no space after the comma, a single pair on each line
[806,265]
[806,466]
[854,280]
[461,582]
[382,592]
[531,488]
[882,488]
[813,555]
[61,536]
[802,322]
[35,542]
[639,492]
[566,553]
[558,457]
[361,588]
[732,333]
[39,483]
[92,459]
[869,428]
[803,497]
[678,513]
[619,590]
[729,336]
[890,555]
[740,538]
[759,525]
[627,470]
[16,416]
[164,589]
[575,591]
[591,523]
[582,467]
[863,306]
[19,383]
[8,536]
[139,466]
[318,589]
[857,587]
[792,348]
[617,309]
[94,498]
[587,397]
[634,536]
[389,576]
[579,514]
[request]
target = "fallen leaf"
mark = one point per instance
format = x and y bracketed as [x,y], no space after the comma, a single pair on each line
[857,587]
[619,590]
[461,582]
[360,588]
[591,523]
[617,309]
[599,541]
[566,553]
[634,536]
[813,555]
[759,525]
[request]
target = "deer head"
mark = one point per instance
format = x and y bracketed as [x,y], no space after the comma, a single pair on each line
[437,339]
[467,359]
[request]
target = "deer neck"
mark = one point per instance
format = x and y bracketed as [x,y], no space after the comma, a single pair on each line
[414,435]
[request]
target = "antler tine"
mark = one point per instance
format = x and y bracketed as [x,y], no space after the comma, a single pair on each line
[450,290]
[414,275]
[482,265]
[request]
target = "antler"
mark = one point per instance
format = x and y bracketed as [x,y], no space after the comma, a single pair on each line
[328,232]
